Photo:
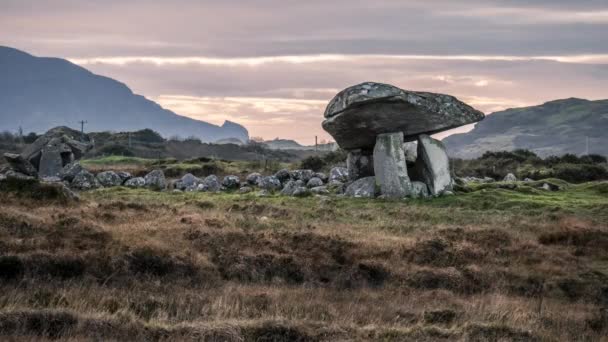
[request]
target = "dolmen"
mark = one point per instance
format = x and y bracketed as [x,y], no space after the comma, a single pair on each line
[379,126]
[50,153]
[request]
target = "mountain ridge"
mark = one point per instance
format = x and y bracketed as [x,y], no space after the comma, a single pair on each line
[553,128]
[38,93]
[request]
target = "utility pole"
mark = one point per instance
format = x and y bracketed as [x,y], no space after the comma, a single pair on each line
[587,147]
[316,146]
[82,122]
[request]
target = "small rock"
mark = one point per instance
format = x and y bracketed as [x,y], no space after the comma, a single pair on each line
[322,176]
[231,182]
[253,178]
[137,182]
[339,174]
[70,171]
[303,175]
[363,187]
[109,179]
[85,181]
[314,182]
[289,188]
[270,183]
[156,180]
[283,175]
[510,178]
[211,184]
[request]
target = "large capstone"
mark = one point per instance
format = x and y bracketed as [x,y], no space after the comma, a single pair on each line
[433,165]
[358,114]
[359,164]
[389,166]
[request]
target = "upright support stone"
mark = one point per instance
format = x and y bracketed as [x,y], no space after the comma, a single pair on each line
[433,165]
[360,164]
[389,166]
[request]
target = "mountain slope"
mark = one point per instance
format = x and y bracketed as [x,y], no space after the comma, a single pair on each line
[553,128]
[40,93]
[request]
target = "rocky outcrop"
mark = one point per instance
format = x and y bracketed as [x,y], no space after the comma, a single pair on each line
[389,166]
[356,115]
[20,164]
[433,165]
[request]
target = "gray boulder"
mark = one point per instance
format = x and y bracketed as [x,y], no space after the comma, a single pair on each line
[303,175]
[156,180]
[314,182]
[109,179]
[356,115]
[20,164]
[433,165]
[85,181]
[320,190]
[70,171]
[510,178]
[136,182]
[231,182]
[270,183]
[322,176]
[419,190]
[253,178]
[211,184]
[283,175]
[390,167]
[124,176]
[339,174]
[289,188]
[360,164]
[364,187]
[410,150]
[188,182]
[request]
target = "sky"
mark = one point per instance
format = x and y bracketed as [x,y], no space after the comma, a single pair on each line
[273,65]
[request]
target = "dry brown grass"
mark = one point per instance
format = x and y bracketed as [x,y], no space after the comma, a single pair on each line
[147,266]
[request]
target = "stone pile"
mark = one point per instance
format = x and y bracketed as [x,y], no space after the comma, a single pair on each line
[386,133]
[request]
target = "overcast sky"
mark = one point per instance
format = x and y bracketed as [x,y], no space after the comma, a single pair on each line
[272,65]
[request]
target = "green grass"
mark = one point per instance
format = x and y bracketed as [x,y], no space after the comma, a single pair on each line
[117,160]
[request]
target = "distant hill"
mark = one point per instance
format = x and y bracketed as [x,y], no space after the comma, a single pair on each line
[553,128]
[287,144]
[39,93]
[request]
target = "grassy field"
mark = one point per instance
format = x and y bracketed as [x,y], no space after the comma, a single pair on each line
[491,264]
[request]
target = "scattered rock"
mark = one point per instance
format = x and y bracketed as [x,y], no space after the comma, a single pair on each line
[389,166]
[231,182]
[356,115]
[289,188]
[510,178]
[322,176]
[125,176]
[433,165]
[70,171]
[303,175]
[364,187]
[270,183]
[85,181]
[314,182]
[109,179]
[211,184]
[137,182]
[156,180]
[253,178]
[339,174]
[188,182]
[283,175]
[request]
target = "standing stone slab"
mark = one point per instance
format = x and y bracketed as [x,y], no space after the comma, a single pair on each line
[433,165]
[359,164]
[51,163]
[389,165]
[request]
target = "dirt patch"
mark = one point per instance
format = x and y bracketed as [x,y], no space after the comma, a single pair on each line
[477,332]
[465,281]
[590,238]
